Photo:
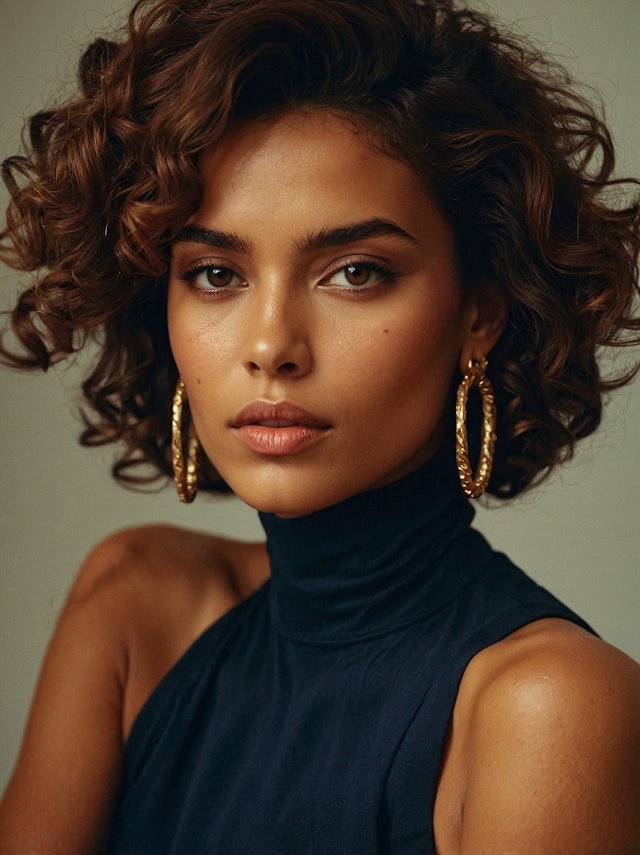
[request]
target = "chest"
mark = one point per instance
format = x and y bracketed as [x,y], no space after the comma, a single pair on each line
[261,744]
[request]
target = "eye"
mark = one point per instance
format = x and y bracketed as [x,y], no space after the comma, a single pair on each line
[210,278]
[219,277]
[359,275]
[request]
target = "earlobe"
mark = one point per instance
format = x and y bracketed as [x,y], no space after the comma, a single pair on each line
[485,320]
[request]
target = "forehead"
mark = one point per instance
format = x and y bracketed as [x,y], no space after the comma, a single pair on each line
[317,156]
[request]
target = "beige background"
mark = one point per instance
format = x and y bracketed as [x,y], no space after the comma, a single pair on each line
[579,534]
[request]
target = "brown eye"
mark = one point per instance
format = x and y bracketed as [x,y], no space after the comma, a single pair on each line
[219,277]
[360,276]
[357,274]
[212,278]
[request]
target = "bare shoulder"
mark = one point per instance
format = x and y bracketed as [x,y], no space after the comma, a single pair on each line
[162,587]
[166,576]
[139,601]
[166,582]
[564,656]
[545,746]
[165,553]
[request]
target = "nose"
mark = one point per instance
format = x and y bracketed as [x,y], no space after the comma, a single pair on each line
[277,340]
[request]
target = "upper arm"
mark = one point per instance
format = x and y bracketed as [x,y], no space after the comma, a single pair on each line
[60,795]
[553,753]
[141,599]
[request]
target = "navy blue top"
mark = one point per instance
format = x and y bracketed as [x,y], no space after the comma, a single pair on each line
[310,719]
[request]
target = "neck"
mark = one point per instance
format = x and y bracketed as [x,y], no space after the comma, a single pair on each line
[370,564]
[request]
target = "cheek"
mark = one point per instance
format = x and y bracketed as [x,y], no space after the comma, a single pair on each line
[178,329]
[205,347]
[199,347]
[416,355]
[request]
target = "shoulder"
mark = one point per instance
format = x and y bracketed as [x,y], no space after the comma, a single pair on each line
[141,598]
[555,668]
[165,553]
[155,589]
[546,733]
[562,684]
[167,575]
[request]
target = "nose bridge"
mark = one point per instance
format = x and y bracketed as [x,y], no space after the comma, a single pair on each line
[277,337]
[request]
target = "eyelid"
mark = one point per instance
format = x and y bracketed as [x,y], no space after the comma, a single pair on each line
[200,264]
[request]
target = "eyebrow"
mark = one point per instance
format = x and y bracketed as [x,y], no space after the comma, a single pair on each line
[212,237]
[374,227]
[322,239]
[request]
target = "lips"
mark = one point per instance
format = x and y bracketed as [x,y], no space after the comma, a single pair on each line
[278,429]
[277,415]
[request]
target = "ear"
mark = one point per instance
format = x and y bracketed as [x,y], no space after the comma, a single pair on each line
[484,319]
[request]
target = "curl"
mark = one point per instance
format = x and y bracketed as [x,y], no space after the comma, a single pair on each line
[520,162]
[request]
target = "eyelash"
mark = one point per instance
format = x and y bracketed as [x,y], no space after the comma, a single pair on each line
[386,275]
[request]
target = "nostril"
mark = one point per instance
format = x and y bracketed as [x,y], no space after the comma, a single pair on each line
[287,367]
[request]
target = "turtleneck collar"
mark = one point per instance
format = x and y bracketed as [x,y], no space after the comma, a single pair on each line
[373,563]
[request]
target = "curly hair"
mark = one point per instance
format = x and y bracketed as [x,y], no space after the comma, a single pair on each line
[519,161]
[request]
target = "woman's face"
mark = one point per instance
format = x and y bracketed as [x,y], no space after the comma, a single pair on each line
[314,314]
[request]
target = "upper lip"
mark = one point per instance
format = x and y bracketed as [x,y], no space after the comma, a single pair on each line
[283,413]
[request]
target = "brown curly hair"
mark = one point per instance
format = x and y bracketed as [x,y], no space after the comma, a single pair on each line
[519,161]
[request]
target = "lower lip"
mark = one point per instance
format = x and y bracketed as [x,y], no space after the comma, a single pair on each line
[279,440]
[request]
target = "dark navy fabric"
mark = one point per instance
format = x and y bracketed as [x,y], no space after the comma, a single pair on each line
[310,719]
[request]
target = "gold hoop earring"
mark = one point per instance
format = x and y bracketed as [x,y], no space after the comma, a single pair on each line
[186,477]
[475,376]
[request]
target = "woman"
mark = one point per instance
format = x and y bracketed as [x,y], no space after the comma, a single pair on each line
[296,229]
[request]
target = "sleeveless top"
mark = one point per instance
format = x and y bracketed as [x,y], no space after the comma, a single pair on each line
[311,718]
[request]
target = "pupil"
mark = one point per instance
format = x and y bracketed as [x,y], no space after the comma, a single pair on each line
[218,276]
[357,274]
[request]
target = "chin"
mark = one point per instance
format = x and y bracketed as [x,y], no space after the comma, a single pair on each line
[287,494]
[285,506]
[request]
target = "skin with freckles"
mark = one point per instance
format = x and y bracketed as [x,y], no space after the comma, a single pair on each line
[302,280]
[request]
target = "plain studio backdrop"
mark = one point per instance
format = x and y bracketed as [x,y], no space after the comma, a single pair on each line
[578,534]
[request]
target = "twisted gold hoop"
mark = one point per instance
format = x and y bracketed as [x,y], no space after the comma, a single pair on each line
[186,477]
[475,376]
